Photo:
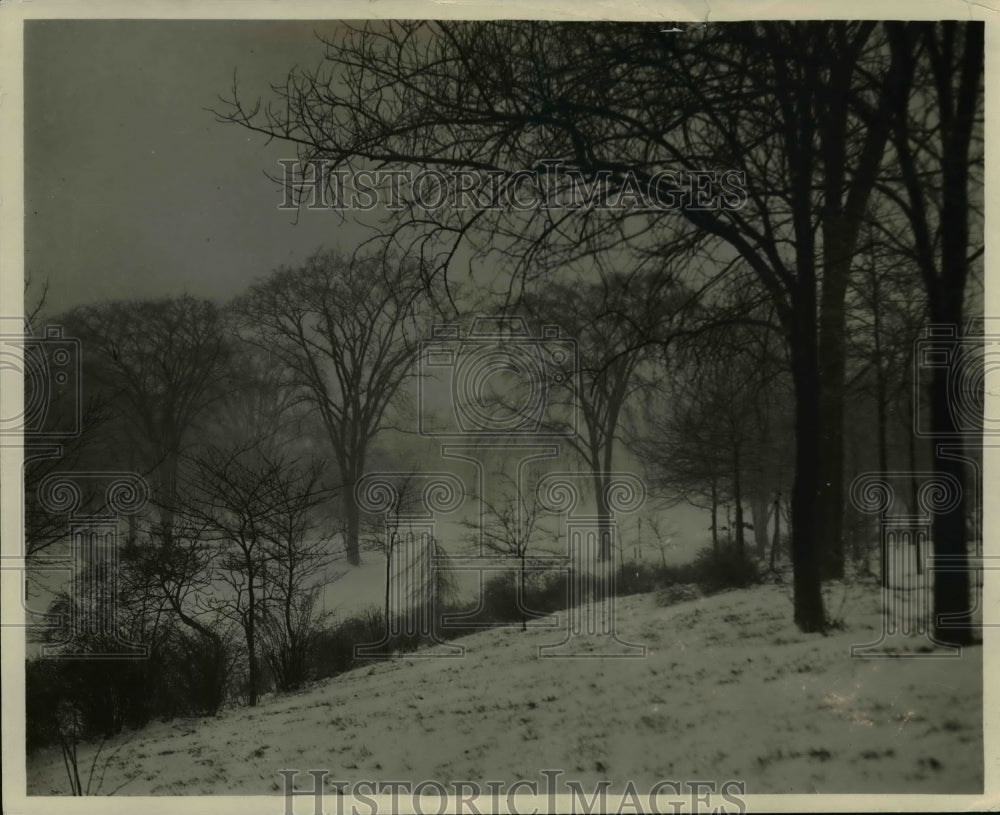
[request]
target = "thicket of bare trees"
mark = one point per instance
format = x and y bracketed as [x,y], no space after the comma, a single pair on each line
[776,213]
[723,441]
[811,116]
[221,572]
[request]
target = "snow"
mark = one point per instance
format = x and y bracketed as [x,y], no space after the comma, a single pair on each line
[728,689]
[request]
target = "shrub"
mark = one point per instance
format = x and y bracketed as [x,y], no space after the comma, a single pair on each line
[333,652]
[641,578]
[334,649]
[544,594]
[723,569]
[677,593]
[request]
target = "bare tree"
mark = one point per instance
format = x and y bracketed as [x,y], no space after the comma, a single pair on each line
[713,432]
[386,532]
[163,365]
[510,527]
[159,367]
[800,111]
[296,544]
[257,509]
[614,323]
[182,574]
[345,330]
[33,311]
[663,535]
[74,406]
[937,138]
[885,323]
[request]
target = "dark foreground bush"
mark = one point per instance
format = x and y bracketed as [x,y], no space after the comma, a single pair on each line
[711,571]
[678,593]
[363,637]
[335,648]
[642,578]
[715,570]
[543,594]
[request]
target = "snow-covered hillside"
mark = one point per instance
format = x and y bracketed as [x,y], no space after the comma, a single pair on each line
[729,689]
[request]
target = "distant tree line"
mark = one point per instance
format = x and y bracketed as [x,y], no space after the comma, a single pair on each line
[756,359]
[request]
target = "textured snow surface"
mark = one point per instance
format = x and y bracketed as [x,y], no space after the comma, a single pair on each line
[728,689]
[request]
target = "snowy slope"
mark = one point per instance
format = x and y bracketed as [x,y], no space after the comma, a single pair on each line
[729,689]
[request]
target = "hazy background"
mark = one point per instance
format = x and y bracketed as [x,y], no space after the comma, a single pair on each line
[134,190]
[131,187]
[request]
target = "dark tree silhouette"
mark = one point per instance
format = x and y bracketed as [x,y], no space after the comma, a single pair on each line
[346,331]
[616,323]
[937,136]
[800,112]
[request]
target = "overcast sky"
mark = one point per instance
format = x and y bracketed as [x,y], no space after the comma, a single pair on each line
[132,188]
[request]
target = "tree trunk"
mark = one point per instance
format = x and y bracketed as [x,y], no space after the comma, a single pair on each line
[216,681]
[951,584]
[911,453]
[167,477]
[837,254]
[621,563]
[294,673]
[352,517]
[777,530]
[881,411]
[522,604]
[604,519]
[738,499]
[759,512]
[809,613]
[388,574]
[715,518]
[250,629]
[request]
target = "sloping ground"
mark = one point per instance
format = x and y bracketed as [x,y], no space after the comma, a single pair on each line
[729,689]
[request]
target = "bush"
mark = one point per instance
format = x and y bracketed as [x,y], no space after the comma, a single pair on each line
[543,594]
[287,641]
[677,593]
[183,674]
[334,650]
[723,569]
[641,578]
